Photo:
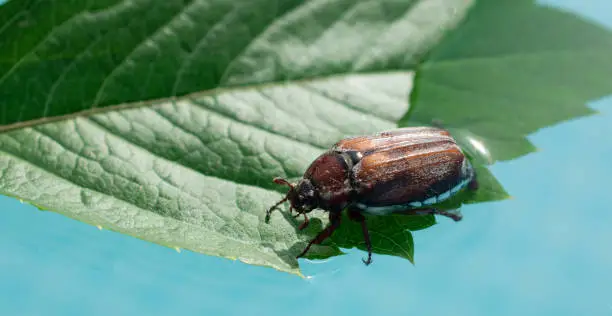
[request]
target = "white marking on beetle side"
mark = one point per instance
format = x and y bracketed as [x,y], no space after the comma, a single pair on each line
[459,186]
[444,196]
[99,227]
[177,249]
[386,210]
[381,210]
[430,201]
[456,188]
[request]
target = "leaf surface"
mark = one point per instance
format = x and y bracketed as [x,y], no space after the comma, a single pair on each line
[63,57]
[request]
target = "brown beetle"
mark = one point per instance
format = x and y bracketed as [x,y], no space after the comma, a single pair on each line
[403,171]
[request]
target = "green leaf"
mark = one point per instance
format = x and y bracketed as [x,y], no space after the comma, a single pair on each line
[63,57]
[196,172]
[194,106]
[511,68]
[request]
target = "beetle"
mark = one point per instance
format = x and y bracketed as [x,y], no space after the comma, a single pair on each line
[403,171]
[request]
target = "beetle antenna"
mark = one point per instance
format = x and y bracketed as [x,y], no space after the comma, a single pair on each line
[283,182]
[269,212]
[291,188]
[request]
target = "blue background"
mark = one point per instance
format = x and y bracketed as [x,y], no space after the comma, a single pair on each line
[542,253]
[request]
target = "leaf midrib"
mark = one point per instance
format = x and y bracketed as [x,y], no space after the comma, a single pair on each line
[194,95]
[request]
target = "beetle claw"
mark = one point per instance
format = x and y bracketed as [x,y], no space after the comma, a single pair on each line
[454,215]
[367,261]
[457,217]
[304,223]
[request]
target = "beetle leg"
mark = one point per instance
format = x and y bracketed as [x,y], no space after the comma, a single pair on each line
[291,188]
[454,216]
[358,217]
[297,214]
[305,223]
[334,219]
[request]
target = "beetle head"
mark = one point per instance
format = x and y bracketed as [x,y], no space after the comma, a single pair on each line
[302,197]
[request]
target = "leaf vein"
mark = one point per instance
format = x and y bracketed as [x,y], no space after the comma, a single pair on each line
[266,130]
[253,40]
[225,19]
[136,48]
[342,102]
